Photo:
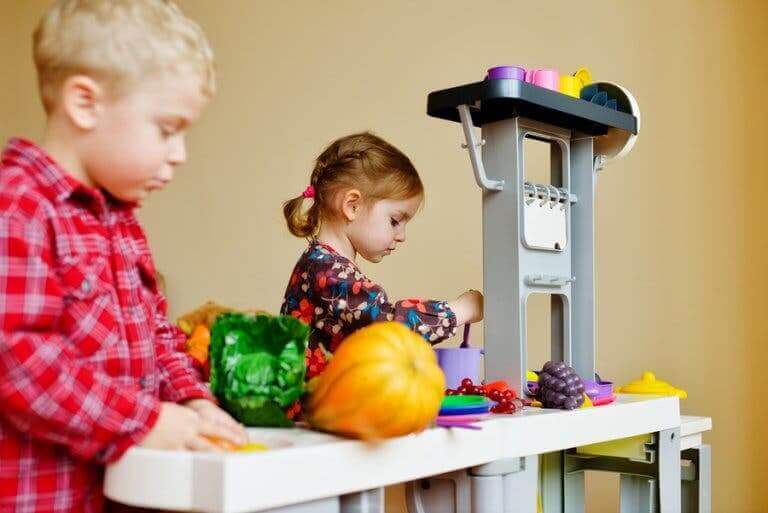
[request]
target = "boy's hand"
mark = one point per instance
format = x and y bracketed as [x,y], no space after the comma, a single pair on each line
[468,307]
[212,414]
[180,428]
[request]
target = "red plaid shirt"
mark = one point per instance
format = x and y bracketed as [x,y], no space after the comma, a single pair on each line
[86,350]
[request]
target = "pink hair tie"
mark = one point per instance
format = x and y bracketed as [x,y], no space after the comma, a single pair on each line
[309,192]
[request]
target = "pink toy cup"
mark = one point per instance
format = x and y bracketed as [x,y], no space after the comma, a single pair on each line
[547,78]
[459,363]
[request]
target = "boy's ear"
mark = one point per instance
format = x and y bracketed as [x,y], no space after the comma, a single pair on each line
[82,99]
[350,204]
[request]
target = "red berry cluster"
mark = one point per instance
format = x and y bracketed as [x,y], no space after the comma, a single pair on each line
[506,400]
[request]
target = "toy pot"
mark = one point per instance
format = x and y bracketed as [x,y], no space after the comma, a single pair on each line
[458,363]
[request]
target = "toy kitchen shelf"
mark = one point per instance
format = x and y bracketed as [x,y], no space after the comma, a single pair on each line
[494,100]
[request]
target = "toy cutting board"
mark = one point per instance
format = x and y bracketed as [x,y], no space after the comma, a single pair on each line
[544,225]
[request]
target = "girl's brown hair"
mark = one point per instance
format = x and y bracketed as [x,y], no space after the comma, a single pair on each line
[361,161]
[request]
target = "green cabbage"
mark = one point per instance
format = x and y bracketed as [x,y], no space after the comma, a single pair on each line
[257,366]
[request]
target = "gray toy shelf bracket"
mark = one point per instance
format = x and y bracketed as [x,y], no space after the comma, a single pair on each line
[473,147]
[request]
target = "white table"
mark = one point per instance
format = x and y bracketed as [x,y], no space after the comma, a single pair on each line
[305,466]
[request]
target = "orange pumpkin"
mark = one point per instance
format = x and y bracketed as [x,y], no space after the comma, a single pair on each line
[382,381]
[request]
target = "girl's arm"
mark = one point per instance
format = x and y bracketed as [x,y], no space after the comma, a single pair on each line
[349,301]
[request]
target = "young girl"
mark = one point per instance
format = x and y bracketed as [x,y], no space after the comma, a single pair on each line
[363,191]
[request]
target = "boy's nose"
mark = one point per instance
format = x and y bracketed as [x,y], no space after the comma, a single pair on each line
[400,237]
[178,153]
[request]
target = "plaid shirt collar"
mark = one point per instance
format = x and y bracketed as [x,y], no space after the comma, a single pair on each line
[57,184]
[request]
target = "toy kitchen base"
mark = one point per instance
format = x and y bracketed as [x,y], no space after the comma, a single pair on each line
[535,483]
[310,472]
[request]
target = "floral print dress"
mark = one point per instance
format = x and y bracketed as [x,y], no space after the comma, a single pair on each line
[328,292]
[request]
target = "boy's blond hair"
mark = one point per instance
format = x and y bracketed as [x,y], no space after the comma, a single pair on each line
[118,42]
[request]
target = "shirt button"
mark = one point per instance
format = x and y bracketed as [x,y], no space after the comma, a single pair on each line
[85,286]
[145,381]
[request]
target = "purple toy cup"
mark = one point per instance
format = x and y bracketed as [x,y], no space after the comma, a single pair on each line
[605,388]
[514,72]
[459,363]
[598,389]
[591,388]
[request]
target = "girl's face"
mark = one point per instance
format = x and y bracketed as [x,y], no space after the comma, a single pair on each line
[380,226]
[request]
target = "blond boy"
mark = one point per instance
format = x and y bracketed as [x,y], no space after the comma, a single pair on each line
[89,364]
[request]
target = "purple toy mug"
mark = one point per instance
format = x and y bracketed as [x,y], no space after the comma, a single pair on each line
[547,78]
[514,72]
[459,363]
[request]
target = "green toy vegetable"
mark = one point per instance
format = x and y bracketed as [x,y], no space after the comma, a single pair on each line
[257,366]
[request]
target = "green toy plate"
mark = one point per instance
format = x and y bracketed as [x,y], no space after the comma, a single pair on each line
[463,401]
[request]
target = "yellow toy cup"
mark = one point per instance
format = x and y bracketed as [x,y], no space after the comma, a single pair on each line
[570,85]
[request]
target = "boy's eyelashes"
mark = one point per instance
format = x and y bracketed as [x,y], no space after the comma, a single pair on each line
[394,221]
[169,128]
[166,131]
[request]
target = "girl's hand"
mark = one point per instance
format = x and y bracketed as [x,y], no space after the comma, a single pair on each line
[468,307]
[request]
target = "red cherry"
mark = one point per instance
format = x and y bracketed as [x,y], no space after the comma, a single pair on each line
[505,403]
[494,395]
[466,382]
[480,390]
[450,392]
[461,390]
[509,394]
[496,409]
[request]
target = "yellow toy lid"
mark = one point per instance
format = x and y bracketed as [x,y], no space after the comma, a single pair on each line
[648,384]
[584,76]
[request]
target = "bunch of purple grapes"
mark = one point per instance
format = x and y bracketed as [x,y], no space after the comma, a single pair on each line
[560,387]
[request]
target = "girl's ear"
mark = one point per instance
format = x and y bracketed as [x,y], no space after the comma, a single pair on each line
[351,203]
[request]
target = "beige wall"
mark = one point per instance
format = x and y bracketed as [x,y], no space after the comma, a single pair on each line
[681,231]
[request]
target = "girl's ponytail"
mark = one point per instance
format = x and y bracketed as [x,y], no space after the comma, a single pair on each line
[300,223]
